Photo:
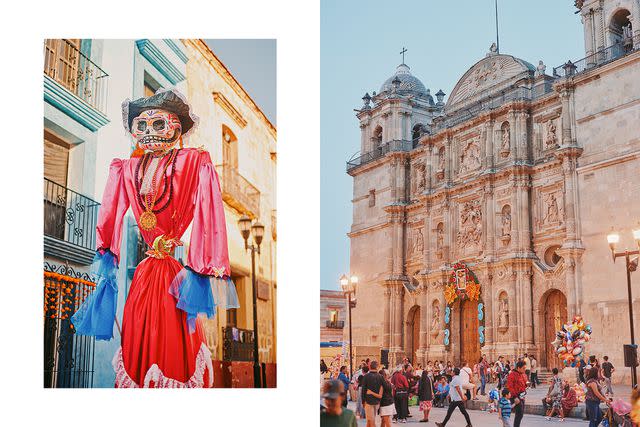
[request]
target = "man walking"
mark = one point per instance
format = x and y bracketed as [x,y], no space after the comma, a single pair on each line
[527,366]
[371,381]
[607,370]
[482,371]
[517,386]
[457,399]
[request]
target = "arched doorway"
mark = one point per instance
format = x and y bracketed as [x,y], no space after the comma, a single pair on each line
[413,334]
[554,316]
[469,340]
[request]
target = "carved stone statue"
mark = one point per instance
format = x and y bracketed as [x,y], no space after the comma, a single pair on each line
[470,233]
[506,221]
[540,69]
[435,320]
[503,315]
[552,138]
[470,158]
[440,237]
[493,49]
[418,241]
[506,138]
[552,214]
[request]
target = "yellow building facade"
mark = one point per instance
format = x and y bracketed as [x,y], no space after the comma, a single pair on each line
[242,144]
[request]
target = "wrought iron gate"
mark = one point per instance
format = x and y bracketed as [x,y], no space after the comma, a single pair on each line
[68,358]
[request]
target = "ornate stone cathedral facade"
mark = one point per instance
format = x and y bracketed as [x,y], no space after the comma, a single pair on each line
[513,183]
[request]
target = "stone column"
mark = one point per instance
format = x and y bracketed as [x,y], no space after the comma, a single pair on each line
[527,308]
[515,217]
[386,130]
[522,135]
[565,116]
[426,232]
[489,148]
[407,119]
[490,221]
[513,131]
[448,229]
[448,162]
[587,22]
[524,212]
[600,26]
[364,145]
[399,291]
[386,342]
[487,298]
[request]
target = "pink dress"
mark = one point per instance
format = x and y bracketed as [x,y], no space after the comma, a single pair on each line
[163,344]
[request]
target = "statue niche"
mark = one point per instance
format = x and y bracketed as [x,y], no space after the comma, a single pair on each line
[441,159]
[503,312]
[505,234]
[435,318]
[439,240]
[551,138]
[505,147]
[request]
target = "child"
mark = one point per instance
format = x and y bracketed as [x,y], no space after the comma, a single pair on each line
[494,396]
[504,408]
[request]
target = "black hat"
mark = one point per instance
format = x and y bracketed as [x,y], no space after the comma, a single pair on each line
[168,100]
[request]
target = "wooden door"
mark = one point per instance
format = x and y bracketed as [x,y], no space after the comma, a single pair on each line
[415,335]
[469,340]
[555,315]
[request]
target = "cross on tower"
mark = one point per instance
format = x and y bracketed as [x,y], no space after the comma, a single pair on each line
[402,53]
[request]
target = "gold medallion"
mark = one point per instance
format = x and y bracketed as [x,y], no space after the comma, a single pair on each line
[148,221]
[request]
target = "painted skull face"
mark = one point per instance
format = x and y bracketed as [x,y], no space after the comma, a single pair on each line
[156,130]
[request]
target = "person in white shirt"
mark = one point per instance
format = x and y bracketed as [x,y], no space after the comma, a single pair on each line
[458,398]
[466,376]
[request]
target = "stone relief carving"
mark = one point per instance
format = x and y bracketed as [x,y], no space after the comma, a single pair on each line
[551,139]
[435,319]
[419,180]
[503,314]
[505,147]
[470,233]
[506,224]
[441,159]
[552,211]
[417,246]
[470,157]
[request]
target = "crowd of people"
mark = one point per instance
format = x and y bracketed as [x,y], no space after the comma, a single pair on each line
[388,393]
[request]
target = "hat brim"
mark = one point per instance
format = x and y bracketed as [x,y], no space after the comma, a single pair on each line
[166,100]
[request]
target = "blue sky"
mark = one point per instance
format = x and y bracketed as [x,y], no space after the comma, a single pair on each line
[253,63]
[360,48]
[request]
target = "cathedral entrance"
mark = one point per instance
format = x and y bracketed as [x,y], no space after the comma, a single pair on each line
[413,334]
[555,315]
[469,342]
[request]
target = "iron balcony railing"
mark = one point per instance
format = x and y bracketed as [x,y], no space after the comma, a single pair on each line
[238,192]
[623,47]
[380,151]
[335,324]
[69,216]
[67,65]
[68,358]
[237,344]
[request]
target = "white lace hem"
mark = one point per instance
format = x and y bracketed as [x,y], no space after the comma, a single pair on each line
[203,362]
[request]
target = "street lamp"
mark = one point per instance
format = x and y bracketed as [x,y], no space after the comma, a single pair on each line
[247,227]
[348,285]
[613,238]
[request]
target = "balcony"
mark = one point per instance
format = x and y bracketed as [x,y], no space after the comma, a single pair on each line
[75,84]
[237,192]
[376,153]
[69,224]
[237,344]
[335,324]
[617,50]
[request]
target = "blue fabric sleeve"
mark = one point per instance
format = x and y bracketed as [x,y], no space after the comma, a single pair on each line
[200,294]
[96,315]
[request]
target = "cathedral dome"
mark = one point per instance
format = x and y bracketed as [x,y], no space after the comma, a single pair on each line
[407,81]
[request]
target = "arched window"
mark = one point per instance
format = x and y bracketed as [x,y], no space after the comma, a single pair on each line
[229,148]
[620,29]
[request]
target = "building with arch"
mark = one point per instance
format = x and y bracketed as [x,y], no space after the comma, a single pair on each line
[480,223]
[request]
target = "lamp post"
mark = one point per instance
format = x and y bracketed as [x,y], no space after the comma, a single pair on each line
[348,285]
[613,238]
[256,229]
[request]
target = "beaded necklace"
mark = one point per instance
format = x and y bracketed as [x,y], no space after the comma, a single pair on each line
[148,201]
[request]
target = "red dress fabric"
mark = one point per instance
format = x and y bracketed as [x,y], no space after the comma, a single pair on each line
[157,349]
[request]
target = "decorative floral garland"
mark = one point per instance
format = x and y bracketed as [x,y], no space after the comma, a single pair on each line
[471,290]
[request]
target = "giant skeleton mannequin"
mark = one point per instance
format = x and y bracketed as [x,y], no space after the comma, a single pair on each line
[166,186]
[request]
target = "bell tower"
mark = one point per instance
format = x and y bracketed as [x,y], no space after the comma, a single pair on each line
[609,24]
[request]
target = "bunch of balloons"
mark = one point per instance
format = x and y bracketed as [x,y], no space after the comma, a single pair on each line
[580,392]
[569,342]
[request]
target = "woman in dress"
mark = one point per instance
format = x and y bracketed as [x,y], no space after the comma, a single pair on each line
[168,188]
[425,395]
[569,400]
